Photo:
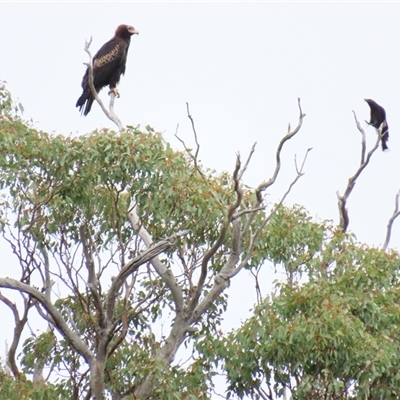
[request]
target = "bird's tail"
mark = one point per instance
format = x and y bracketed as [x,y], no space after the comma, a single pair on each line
[384,139]
[87,98]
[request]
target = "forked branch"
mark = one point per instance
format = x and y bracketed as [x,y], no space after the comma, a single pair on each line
[342,200]
[231,268]
[264,185]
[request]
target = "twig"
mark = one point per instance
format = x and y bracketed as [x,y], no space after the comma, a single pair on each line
[109,113]
[396,213]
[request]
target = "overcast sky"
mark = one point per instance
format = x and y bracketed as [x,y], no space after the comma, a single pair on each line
[241,67]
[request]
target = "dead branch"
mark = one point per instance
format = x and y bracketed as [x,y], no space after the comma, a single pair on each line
[243,170]
[109,113]
[195,133]
[342,200]
[363,139]
[395,214]
[146,256]
[230,270]
[264,185]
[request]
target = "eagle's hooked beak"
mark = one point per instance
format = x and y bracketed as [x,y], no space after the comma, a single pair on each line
[133,31]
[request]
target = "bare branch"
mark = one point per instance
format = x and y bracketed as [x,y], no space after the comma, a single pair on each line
[363,139]
[194,131]
[144,257]
[264,185]
[109,113]
[342,200]
[72,337]
[224,229]
[223,277]
[396,213]
[243,170]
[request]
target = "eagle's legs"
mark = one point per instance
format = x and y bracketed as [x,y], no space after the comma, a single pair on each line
[115,91]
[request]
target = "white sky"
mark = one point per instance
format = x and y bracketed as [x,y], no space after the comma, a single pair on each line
[241,67]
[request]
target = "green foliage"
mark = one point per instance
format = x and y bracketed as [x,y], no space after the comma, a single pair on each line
[24,389]
[58,181]
[53,185]
[38,351]
[330,331]
[290,238]
[336,334]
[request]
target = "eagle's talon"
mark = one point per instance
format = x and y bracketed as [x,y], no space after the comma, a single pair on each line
[115,91]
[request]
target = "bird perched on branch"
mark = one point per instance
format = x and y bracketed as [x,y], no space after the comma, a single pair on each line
[108,65]
[378,121]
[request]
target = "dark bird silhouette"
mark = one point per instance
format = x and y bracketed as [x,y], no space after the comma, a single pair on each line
[108,65]
[378,121]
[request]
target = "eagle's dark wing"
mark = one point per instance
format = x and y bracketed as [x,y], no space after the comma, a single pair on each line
[109,64]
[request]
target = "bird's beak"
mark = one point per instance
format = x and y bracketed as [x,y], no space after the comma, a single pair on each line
[366,100]
[135,32]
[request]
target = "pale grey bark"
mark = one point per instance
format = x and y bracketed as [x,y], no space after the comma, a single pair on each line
[365,158]
[395,214]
